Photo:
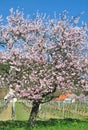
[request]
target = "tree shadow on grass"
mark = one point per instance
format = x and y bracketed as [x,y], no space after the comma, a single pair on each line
[12,124]
[54,122]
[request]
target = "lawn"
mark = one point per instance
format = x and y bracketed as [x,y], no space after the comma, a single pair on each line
[49,118]
[51,124]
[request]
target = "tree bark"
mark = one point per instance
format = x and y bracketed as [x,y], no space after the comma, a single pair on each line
[33,114]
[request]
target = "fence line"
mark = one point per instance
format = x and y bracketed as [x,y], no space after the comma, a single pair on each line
[54,109]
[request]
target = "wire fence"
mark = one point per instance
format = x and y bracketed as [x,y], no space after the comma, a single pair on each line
[21,109]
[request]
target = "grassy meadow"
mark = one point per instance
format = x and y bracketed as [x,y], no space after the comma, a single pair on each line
[51,124]
[50,117]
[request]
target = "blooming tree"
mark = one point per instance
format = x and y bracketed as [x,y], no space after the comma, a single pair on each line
[43,55]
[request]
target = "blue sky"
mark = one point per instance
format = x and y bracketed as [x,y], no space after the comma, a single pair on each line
[74,7]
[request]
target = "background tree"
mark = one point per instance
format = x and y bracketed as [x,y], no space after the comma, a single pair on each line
[44,55]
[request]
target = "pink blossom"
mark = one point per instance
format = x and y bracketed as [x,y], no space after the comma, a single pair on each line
[48,56]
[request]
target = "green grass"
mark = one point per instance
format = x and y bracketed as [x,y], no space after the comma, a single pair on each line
[51,124]
[49,118]
[21,112]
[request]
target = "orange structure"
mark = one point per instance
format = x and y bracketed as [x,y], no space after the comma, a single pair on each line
[62,97]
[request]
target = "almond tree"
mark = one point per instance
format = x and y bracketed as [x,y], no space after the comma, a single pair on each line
[43,55]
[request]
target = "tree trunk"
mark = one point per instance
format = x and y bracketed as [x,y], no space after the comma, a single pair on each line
[33,114]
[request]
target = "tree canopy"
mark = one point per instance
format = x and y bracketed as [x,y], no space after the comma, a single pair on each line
[44,55]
